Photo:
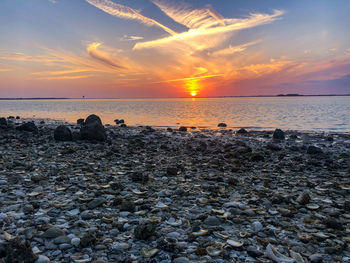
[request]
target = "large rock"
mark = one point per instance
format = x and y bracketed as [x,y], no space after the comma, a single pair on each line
[93,129]
[80,121]
[93,118]
[28,126]
[3,122]
[279,134]
[63,133]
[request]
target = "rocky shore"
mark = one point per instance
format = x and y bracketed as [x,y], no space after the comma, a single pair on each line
[90,193]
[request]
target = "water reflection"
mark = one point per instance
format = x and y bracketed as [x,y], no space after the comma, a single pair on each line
[302,113]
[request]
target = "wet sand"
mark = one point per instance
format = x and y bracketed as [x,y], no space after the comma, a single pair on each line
[152,195]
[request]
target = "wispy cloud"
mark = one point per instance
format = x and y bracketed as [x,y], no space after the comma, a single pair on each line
[131,38]
[192,78]
[189,17]
[194,37]
[234,49]
[102,57]
[122,11]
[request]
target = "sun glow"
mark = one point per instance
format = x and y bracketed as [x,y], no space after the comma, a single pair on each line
[193,94]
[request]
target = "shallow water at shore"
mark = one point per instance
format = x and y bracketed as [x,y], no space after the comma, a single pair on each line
[295,113]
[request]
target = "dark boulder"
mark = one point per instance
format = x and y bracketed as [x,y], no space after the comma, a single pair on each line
[17,117]
[3,122]
[242,131]
[183,129]
[279,134]
[93,129]
[314,150]
[222,125]
[63,133]
[28,126]
[92,119]
[123,125]
[80,121]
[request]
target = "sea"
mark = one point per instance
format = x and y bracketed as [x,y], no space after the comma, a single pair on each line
[303,113]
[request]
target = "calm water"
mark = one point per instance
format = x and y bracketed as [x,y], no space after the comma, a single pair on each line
[297,113]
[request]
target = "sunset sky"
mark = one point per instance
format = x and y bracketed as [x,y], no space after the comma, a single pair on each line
[167,48]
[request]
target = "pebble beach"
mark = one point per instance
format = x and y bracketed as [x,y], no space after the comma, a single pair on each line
[89,192]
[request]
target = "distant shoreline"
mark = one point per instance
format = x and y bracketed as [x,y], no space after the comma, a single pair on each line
[253,96]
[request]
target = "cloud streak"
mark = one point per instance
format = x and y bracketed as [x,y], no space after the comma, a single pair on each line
[122,11]
[194,36]
[102,57]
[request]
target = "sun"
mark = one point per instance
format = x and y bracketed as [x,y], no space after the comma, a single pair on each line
[193,94]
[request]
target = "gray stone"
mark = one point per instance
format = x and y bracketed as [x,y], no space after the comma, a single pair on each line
[43,259]
[96,202]
[181,260]
[212,221]
[53,232]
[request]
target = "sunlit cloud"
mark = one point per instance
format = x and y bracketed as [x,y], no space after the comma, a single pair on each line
[192,78]
[122,11]
[65,77]
[24,57]
[194,37]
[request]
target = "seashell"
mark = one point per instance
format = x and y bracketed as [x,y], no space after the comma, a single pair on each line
[8,236]
[276,256]
[312,206]
[220,235]
[138,192]
[200,233]
[234,243]
[161,205]
[107,220]
[170,240]
[320,235]
[319,188]
[36,250]
[213,251]
[303,236]
[33,194]
[243,234]
[173,222]
[347,188]
[296,256]
[218,212]
[149,253]
[203,200]
[273,212]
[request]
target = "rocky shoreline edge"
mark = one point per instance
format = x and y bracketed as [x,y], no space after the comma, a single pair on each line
[91,193]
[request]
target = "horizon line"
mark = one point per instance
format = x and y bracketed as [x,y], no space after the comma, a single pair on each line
[120,98]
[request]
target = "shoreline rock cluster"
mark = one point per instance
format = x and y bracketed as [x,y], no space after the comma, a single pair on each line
[90,193]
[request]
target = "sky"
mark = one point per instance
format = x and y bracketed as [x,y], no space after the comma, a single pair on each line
[168,48]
